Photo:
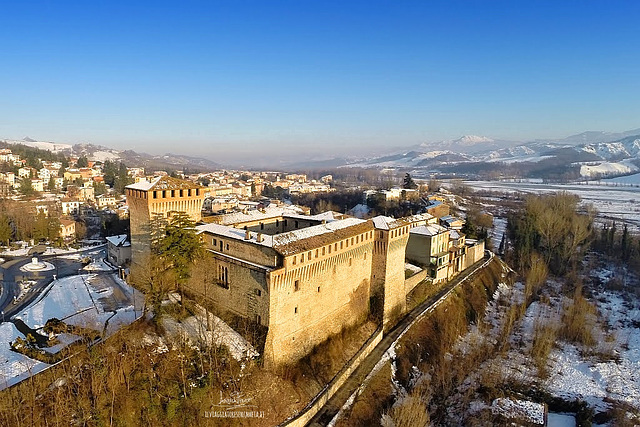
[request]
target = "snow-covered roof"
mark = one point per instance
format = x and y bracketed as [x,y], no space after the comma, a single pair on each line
[257,215]
[163,183]
[449,219]
[328,216]
[428,230]
[296,240]
[143,185]
[304,233]
[419,217]
[119,240]
[318,235]
[235,233]
[383,222]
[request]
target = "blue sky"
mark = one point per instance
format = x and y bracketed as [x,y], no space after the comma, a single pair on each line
[242,79]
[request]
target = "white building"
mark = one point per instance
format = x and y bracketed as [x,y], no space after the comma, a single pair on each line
[118,250]
[70,207]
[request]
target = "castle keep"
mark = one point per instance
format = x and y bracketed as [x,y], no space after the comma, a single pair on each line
[159,198]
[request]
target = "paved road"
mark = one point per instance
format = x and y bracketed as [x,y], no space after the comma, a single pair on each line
[332,407]
[11,275]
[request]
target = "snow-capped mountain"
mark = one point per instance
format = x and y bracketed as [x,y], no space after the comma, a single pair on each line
[467,144]
[619,150]
[561,159]
[595,137]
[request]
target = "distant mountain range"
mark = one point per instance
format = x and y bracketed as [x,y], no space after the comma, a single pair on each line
[130,158]
[588,154]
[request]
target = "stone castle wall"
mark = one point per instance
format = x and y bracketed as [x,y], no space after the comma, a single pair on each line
[312,300]
[241,289]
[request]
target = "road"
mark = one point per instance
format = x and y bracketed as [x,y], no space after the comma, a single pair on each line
[357,378]
[11,275]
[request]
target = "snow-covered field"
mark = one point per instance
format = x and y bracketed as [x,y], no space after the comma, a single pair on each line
[54,147]
[599,381]
[607,168]
[626,180]
[88,300]
[14,367]
[102,156]
[612,203]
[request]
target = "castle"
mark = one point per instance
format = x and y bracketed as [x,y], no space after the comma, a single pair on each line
[302,277]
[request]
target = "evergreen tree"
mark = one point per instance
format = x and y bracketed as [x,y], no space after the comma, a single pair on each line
[503,243]
[122,179]
[82,162]
[109,172]
[6,232]
[99,188]
[26,187]
[41,227]
[612,237]
[624,243]
[180,244]
[52,184]
[409,183]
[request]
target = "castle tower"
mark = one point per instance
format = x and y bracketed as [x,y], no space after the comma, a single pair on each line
[387,273]
[159,198]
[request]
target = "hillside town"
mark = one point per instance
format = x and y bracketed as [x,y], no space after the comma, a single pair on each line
[68,193]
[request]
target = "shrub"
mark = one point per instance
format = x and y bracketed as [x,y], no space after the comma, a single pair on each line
[578,320]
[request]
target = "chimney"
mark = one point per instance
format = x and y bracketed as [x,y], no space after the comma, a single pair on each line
[259,238]
[247,235]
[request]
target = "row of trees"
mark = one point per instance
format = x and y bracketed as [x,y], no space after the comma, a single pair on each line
[618,243]
[16,224]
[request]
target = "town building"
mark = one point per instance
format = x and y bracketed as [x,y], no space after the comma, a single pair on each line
[119,250]
[67,229]
[24,172]
[428,247]
[70,206]
[437,208]
[105,201]
[37,185]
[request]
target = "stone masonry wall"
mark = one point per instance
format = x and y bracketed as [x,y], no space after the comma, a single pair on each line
[311,301]
[244,292]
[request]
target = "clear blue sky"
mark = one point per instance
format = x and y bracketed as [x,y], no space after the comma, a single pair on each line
[242,78]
